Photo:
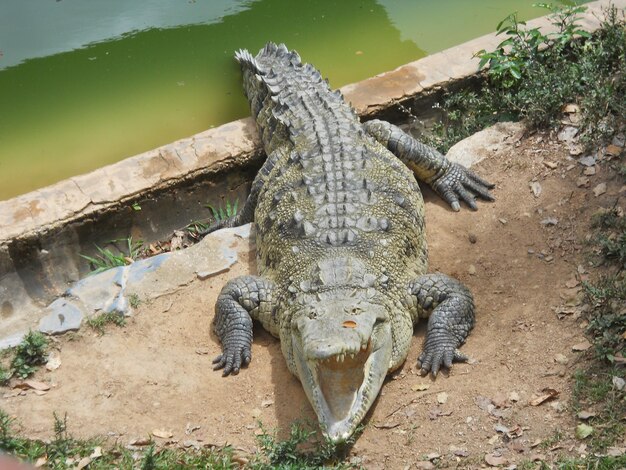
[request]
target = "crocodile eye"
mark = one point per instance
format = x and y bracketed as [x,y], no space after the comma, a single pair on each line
[356,310]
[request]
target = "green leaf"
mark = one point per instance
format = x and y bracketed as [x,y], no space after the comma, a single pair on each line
[583,430]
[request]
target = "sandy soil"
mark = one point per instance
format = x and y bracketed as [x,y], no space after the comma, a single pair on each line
[156,374]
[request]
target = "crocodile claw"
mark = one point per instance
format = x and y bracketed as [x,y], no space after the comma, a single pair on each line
[232,360]
[460,183]
[432,359]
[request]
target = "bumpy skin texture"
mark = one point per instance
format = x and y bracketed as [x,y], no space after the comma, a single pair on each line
[340,238]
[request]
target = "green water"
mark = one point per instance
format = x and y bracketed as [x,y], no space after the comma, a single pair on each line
[85,83]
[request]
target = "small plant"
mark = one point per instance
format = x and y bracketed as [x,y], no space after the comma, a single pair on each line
[292,452]
[106,259]
[5,375]
[222,213]
[99,322]
[134,300]
[514,56]
[29,354]
[197,228]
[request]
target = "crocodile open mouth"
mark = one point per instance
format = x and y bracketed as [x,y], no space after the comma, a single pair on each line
[343,387]
[339,378]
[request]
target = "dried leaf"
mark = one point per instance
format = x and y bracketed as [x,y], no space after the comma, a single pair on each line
[140,441]
[97,452]
[420,387]
[615,451]
[548,394]
[36,385]
[461,453]
[495,460]
[162,433]
[387,425]
[41,461]
[82,463]
[613,150]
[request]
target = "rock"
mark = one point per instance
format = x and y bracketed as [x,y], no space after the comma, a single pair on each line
[619,140]
[442,398]
[589,171]
[54,361]
[473,149]
[582,346]
[503,221]
[550,165]
[549,221]
[535,187]
[599,189]
[585,415]
[582,181]
[618,383]
[514,396]
[575,150]
[63,316]
[424,465]
[471,270]
[568,134]
[560,359]
[472,238]
[589,160]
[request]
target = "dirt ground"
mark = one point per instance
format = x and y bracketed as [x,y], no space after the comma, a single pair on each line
[155,374]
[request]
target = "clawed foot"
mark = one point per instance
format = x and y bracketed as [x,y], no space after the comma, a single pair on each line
[232,359]
[435,356]
[459,182]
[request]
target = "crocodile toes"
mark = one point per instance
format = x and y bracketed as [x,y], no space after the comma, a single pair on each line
[232,361]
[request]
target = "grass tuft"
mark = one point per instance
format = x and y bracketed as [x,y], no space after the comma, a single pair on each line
[107,259]
[99,322]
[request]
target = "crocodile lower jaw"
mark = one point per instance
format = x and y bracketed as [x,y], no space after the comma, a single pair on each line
[343,387]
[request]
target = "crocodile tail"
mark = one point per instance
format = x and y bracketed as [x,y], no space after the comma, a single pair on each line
[244,57]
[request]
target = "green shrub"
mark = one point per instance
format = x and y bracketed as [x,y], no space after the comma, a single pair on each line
[29,354]
[532,75]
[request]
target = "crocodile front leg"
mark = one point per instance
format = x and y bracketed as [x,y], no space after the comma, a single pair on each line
[241,300]
[449,180]
[451,309]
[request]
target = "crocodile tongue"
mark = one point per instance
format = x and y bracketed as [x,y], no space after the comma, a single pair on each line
[342,360]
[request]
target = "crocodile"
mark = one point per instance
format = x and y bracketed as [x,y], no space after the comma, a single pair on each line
[341,253]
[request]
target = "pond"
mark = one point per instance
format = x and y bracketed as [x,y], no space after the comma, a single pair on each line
[85,84]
